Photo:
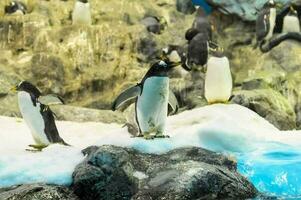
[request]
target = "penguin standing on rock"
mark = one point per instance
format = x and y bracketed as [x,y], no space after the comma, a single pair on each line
[36,113]
[81,14]
[15,8]
[152,97]
[291,22]
[265,22]
[218,79]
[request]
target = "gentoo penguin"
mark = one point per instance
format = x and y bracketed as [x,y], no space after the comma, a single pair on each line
[265,22]
[199,25]
[81,14]
[38,116]
[199,40]
[218,79]
[152,97]
[291,22]
[15,8]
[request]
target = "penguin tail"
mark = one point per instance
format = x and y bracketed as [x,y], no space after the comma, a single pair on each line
[66,144]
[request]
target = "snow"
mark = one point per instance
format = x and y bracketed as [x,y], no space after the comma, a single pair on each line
[219,127]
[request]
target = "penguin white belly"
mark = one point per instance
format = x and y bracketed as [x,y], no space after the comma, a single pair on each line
[218,80]
[152,105]
[272,21]
[81,14]
[33,118]
[290,24]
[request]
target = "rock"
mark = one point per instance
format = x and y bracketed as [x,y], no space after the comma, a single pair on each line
[78,114]
[185,6]
[270,105]
[244,9]
[111,172]
[37,192]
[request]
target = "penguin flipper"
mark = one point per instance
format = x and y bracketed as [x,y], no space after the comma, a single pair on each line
[173,102]
[51,99]
[190,33]
[126,96]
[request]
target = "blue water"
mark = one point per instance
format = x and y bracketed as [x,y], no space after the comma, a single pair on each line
[274,171]
[203,3]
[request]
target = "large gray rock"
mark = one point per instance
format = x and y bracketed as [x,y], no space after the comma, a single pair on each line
[245,9]
[111,172]
[37,192]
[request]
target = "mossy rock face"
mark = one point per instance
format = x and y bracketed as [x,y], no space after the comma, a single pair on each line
[269,104]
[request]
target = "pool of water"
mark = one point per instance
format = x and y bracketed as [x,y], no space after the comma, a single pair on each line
[274,170]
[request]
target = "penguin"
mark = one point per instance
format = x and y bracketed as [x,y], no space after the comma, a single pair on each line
[81,14]
[291,22]
[218,78]
[265,22]
[37,115]
[152,98]
[199,38]
[199,25]
[15,8]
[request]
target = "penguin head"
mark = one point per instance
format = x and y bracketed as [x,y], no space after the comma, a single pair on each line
[292,11]
[14,6]
[28,87]
[160,68]
[270,4]
[217,52]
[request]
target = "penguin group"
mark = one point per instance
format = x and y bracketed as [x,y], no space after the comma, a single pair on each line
[152,97]
[272,20]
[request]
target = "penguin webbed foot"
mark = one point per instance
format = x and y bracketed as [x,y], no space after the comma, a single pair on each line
[161,136]
[36,147]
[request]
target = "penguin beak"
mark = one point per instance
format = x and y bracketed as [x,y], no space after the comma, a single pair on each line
[13,89]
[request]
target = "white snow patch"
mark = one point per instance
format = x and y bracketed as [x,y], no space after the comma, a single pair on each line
[225,128]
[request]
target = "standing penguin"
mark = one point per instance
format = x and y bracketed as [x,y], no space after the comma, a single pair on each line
[291,22]
[265,22]
[15,8]
[37,115]
[199,38]
[152,97]
[218,80]
[81,13]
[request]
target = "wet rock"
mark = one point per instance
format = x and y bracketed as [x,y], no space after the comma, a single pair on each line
[185,6]
[37,192]
[111,172]
[269,104]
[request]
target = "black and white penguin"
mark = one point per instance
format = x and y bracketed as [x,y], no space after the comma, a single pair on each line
[199,38]
[81,14]
[152,97]
[265,22]
[291,22]
[218,78]
[38,116]
[15,8]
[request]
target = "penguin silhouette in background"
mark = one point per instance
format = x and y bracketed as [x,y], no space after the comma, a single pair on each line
[265,23]
[81,14]
[199,38]
[38,116]
[15,8]
[291,21]
[152,97]
[218,78]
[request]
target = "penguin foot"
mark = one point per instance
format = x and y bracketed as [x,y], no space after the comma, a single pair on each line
[33,150]
[148,136]
[37,147]
[162,136]
[139,136]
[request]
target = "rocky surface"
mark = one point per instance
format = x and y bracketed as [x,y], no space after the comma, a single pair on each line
[37,192]
[111,172]
[90,65]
